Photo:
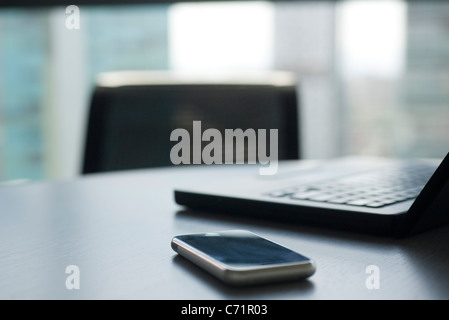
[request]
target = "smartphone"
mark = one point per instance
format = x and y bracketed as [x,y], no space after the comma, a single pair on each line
[240,257]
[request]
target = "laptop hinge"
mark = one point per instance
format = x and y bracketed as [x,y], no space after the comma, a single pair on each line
[431,207]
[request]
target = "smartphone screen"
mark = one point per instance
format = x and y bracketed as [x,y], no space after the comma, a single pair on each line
[242,248]
[227,253]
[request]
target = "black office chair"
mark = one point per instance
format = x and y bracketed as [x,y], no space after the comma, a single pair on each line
[133,113]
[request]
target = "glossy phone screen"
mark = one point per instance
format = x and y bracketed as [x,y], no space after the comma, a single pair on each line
[242,248]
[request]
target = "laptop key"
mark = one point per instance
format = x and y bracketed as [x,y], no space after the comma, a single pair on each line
[278,194]
[304,195]
[339,200]
[375,204]
[322,197]
[360,202]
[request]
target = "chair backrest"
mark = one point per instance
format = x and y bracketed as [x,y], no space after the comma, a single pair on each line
[133,113]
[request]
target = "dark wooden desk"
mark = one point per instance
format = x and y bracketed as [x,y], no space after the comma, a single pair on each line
[116,228]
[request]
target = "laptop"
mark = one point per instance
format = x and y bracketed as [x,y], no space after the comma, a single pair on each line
[387,197]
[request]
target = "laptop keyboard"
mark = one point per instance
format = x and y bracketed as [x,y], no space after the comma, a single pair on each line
[373,189]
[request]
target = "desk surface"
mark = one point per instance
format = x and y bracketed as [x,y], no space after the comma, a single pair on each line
[117,229]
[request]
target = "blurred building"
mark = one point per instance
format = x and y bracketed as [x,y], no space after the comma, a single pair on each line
[425,88]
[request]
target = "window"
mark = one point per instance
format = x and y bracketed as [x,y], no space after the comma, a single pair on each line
[47,72]
[373,74]
[394,71]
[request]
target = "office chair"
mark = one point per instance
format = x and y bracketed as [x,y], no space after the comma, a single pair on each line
[132,114]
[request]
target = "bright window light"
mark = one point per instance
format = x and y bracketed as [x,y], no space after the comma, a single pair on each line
[221,36]
[372,38]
